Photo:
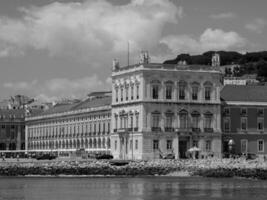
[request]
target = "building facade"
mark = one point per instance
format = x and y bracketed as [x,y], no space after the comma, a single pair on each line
[244,119]
[72,126]
[159,109]
[12,129]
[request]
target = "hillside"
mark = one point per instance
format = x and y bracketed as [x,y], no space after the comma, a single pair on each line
[250,63]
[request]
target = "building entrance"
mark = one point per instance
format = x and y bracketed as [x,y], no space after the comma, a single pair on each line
[182,148]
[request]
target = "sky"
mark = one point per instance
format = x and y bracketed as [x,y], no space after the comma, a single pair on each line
[52,49]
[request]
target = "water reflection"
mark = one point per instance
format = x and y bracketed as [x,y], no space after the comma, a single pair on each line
[131,188]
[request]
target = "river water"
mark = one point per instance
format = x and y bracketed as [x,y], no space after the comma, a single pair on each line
[151,188]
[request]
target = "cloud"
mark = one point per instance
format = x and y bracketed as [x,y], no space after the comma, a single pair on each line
[257,25]
[210,39]
[89,30]
[228,15]
[58,88]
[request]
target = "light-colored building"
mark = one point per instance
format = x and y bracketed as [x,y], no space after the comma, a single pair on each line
[72,126]
[159,109]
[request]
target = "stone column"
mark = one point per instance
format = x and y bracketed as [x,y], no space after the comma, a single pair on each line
[18,142]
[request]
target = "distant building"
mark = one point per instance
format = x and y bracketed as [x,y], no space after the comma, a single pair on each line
[12,129]
[247,79]
[71,126]
[244,119]
[159,109]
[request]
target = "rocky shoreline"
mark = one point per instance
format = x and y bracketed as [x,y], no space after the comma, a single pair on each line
[206,168]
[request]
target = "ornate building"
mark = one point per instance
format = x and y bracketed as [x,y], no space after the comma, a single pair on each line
[74,126]
[244,119]
[12,126]
[159,109]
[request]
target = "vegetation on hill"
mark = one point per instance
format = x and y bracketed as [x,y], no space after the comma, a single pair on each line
[249,63]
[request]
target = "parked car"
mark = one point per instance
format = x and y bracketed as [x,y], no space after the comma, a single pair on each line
[46,157]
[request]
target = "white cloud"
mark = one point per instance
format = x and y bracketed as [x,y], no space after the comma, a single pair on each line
[90,30]
[210,39]
[228,15]
[58,88]
[257,25]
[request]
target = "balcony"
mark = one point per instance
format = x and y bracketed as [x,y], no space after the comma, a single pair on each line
[208,130]
[169,129]
[156,129]
[196,130]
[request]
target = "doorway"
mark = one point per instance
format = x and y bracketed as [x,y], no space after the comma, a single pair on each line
[182,149]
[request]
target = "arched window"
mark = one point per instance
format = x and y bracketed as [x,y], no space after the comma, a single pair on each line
[183,117]
[182,88]
[168,89]
[169,121]
[156,121]
[207,90]
[195,120]
[195,90]
[155,85]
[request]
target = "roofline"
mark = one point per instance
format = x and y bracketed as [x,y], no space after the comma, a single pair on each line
[72,112]
[247,103]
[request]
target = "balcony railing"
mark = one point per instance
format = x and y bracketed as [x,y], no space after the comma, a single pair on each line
[196,130]
[156,129]
[169,129]
[208,130]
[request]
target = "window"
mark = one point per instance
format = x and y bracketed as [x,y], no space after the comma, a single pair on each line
[156,120]
[208,145]
[260,145]
[260,111]
[183,119]
[116,121]
[243,123]
[169,92]
[137,91]
[226,111]
[131,144]
[115,145]
[226,124]
[195,120]
[3,126]
[244,146]
[194,92]
[208,121]
[136,120]
[132,92]
[155,144]
[260,123]
[121,94]
[169,119]
[117,94]
[155,91]
[181,91]
[127,93]
[136,144]
[195,143]
[243,111]
[131,121]
[169,144]
[207,93]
